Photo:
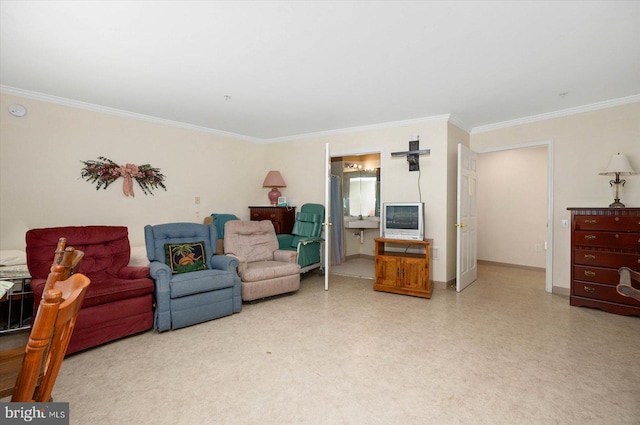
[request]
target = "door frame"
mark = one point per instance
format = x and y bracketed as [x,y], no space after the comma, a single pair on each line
[549,247]
[357,152]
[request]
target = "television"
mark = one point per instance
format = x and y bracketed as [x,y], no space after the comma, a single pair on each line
[403,220]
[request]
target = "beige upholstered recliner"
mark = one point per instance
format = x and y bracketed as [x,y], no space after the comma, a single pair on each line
[264,269]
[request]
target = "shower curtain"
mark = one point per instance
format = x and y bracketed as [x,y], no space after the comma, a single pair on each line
[336,217]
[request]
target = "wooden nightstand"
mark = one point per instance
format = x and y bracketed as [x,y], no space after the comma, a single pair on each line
[281,217]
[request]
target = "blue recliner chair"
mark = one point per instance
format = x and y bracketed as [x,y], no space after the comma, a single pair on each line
[305,237]
[192,283]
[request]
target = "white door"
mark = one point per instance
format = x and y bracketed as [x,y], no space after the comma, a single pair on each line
[327,214]
[467,219]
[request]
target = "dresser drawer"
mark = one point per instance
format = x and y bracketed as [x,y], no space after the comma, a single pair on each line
[596,275]
[282,218]
[263,214]
[615,260]
[602,241]
[619,240]
[619,223]
[601,292]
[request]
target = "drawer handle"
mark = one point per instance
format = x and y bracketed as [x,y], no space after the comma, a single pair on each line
[589,289]
[590,221]
[590,237]
[617,219]
[591,257]
[273,215]
[589,273]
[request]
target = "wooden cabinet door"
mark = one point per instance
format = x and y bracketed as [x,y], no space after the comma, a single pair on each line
[413,271]
[387,271]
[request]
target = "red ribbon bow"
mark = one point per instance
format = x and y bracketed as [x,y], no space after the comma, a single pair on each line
[129,171]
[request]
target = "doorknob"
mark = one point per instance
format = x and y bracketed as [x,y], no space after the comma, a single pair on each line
[327,224]
[460,225]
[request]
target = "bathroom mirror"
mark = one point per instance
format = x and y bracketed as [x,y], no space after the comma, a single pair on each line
[361,193]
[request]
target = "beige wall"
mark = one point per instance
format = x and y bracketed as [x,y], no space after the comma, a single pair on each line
[582,146]
[40,156]
[41,184]
[304,159]
[40,166]
[512,206]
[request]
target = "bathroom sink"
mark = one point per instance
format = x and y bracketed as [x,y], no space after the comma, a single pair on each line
[362,224]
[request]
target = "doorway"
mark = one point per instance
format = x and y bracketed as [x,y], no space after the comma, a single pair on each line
[515,195]
[356,195]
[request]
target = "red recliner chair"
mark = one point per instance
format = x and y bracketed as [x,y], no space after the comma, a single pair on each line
[119,301]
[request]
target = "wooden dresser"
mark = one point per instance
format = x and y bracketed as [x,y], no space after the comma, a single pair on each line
[602,241]
[401,272]
[281,217]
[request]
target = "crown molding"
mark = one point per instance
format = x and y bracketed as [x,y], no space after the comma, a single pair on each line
[126,114]
[121,113]
[437,118]
[348,130]
[557,114]
[458,123]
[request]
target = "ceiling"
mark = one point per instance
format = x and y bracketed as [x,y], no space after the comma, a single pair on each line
[271,70]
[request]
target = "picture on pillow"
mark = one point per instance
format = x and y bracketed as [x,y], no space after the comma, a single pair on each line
[185,257]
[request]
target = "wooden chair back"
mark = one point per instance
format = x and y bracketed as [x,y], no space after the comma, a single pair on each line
[69,257]
[50,335]
[625,286]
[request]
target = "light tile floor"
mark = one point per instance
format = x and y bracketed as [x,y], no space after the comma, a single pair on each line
[501,352]
[357,267]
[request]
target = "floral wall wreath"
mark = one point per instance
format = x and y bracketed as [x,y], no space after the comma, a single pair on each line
[105,171]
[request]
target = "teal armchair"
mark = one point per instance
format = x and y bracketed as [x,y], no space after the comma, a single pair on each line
[305,238]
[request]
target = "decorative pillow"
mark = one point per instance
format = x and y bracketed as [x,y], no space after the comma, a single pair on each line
[185,257]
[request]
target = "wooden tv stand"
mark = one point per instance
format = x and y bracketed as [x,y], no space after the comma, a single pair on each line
[402,272]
